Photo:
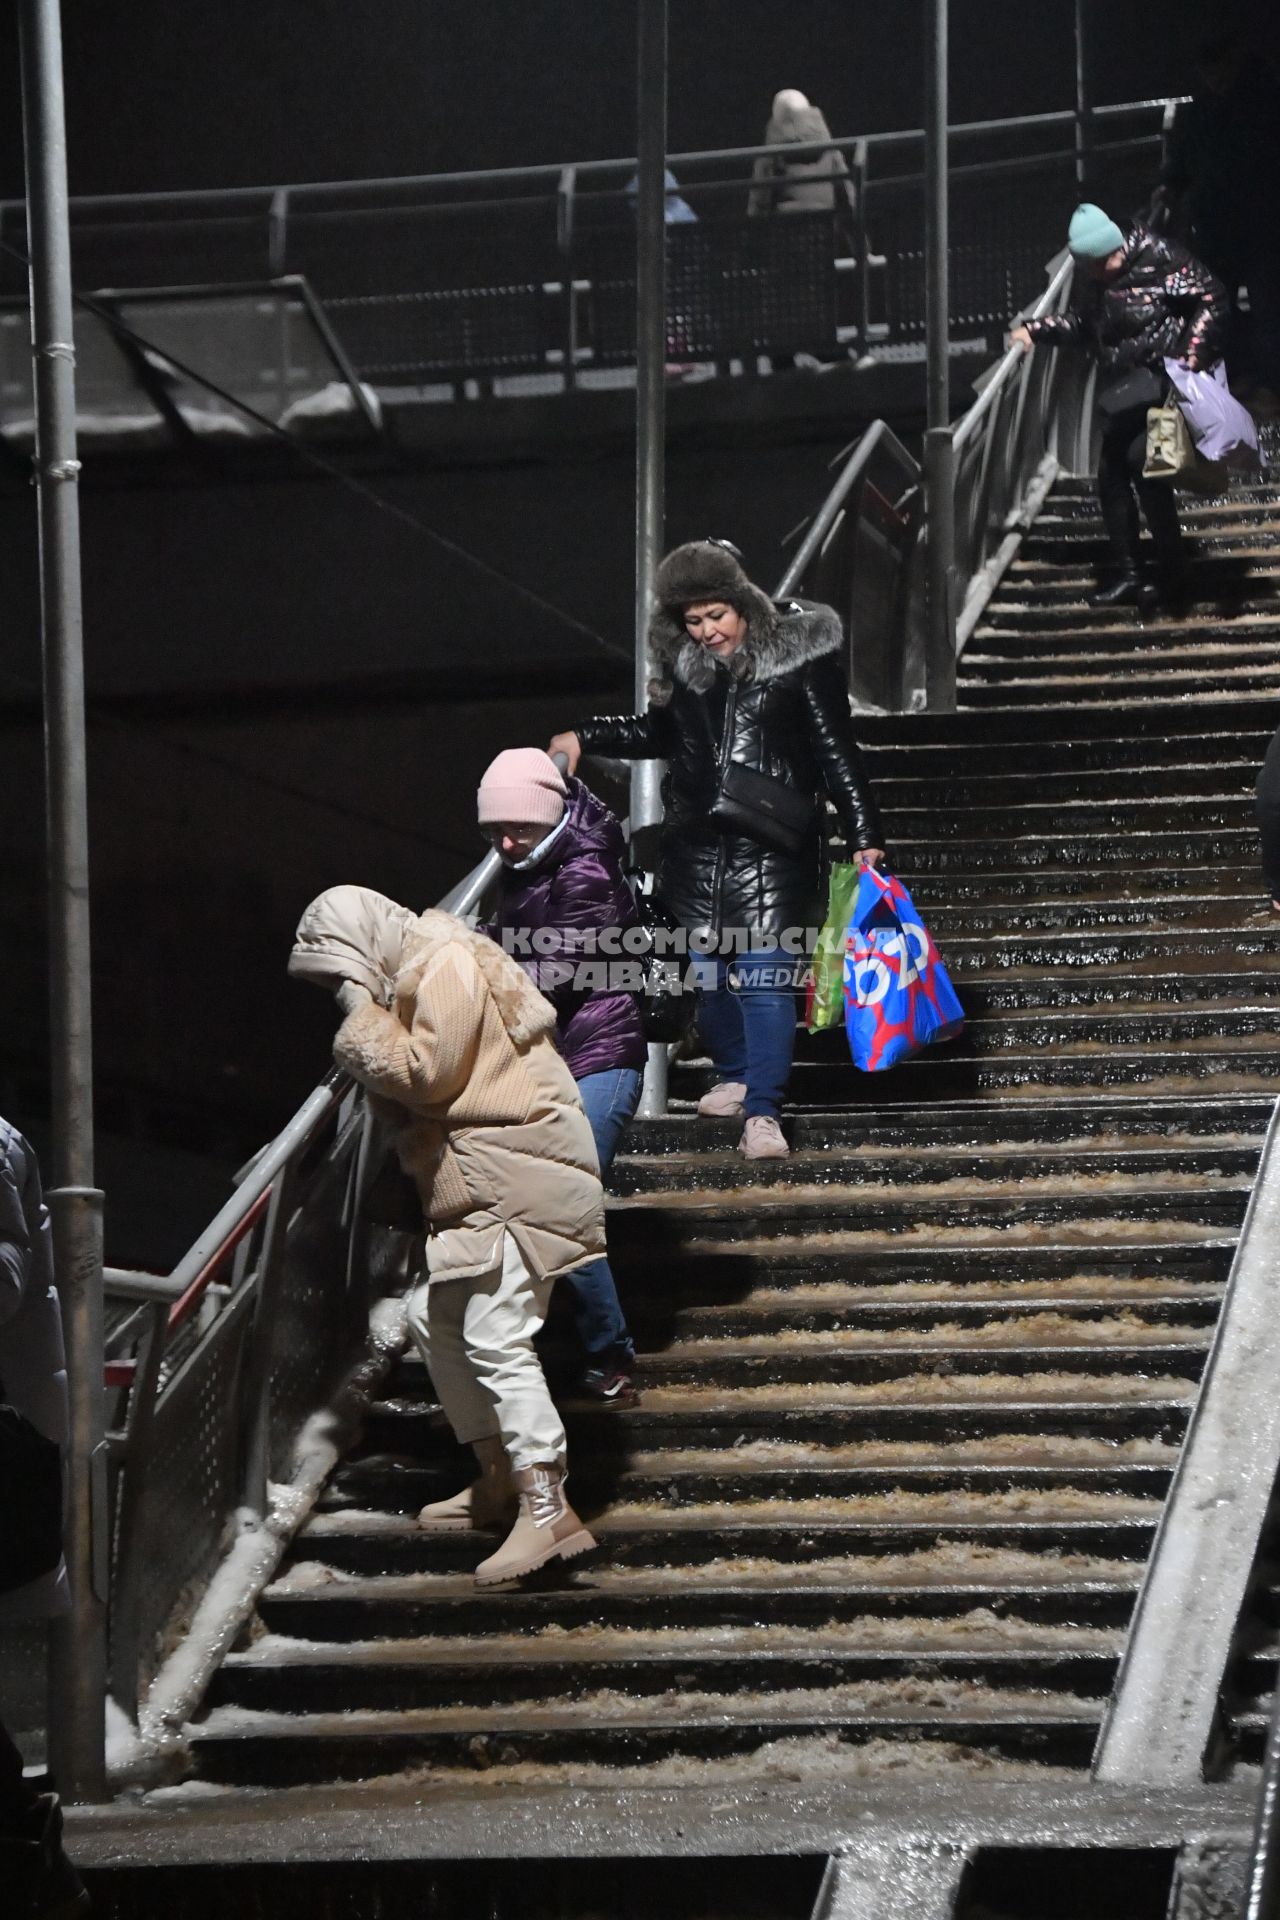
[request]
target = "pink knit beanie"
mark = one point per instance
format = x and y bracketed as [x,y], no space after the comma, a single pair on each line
[522,786]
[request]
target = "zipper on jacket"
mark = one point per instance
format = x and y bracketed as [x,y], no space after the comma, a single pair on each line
[722,762]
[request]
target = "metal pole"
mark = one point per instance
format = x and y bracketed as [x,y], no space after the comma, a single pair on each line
[1082,105]
[79,1643]
[651,354]
[939,451]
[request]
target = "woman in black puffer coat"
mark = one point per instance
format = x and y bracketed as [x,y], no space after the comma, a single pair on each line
[743,682]
[1139,300]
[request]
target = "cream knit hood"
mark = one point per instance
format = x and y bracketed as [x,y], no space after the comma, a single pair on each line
[353,933]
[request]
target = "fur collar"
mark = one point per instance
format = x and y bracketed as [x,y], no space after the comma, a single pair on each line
[524,1012]
[781,636]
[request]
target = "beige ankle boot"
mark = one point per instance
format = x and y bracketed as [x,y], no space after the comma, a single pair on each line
[546,1528]
[489,1502]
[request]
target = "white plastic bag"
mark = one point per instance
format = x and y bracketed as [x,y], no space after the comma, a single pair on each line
[1221,428]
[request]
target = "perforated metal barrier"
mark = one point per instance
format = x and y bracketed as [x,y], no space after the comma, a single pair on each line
[752,286]
[216,1405]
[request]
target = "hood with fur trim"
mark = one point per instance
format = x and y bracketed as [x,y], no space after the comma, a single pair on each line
[353,933]
[524,1012]
[780,637]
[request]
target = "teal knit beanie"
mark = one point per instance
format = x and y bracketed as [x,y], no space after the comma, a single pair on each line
[1093,234]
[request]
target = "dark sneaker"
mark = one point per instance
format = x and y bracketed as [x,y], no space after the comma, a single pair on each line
[610,1386]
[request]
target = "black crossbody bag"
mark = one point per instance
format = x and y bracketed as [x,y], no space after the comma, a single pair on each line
[1140,387]
[763,808]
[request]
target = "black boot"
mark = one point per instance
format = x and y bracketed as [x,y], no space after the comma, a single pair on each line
[1161,509]
[1128,589]
[38,1876]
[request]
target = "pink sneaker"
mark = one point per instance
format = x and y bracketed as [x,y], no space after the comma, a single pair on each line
[762,1139]
[724,1102]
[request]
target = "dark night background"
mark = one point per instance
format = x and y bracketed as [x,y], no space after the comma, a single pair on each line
[170,93]
[211,831]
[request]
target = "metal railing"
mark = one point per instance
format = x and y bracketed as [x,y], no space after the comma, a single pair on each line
[1032,420]
[215,1371]
[863,551]
[1163,1718]
[531,270]
[857,555]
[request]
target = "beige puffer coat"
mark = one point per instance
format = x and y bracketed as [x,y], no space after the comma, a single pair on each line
[490,1125]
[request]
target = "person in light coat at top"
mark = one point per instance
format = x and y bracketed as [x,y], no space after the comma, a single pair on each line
[442,1024]
[787,182]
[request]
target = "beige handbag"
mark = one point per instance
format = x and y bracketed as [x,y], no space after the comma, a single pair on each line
[1171,452]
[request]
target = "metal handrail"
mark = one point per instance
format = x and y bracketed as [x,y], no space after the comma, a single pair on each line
[879,433]
[1164,1709]
[1005,369]
[552,172]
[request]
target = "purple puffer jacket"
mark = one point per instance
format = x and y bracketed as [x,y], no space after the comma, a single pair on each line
[579,884]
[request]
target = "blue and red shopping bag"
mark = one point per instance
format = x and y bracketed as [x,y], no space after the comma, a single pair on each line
[898,997]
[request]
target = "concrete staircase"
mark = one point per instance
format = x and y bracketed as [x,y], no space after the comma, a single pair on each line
[913,1398]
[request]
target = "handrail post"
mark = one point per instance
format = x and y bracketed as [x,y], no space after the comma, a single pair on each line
[132,1543]
[1083,126]
[651,328]
[861,168]
[261,1344]
[278,233]
[940,569]
[78,1664]
[566,209]
[939,453]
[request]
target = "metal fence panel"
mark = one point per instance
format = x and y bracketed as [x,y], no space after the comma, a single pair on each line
[193,1485]
[733,287]
[445,334]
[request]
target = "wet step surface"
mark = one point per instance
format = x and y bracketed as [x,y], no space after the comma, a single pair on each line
[911,1400]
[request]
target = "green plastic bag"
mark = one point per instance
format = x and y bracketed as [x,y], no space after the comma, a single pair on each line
[824,997]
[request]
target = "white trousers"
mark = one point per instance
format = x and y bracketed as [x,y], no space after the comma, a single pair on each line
[476,1340]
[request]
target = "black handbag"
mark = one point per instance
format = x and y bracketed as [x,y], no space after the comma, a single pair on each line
[391,1198]
[763,808]
[1140,387]
[666,1004]
[30,1500]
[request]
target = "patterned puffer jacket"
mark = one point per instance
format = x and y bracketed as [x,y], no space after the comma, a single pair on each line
[1163,304]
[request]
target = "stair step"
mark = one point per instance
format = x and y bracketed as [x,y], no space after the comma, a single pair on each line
[950,788]
[1070,817]
[315,1606]
[1081,1405]
[292,1750]
[1242,1067]
[372,1677]
[389,1484]
[659,1222]
[1075,691]
[1129,1120]
[710,1169]
[681,1539]
[1101,747]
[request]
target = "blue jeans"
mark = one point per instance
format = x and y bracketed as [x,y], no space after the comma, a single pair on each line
[610,1100]
[749,1027]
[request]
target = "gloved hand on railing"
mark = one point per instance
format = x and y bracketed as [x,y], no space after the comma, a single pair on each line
[351,996]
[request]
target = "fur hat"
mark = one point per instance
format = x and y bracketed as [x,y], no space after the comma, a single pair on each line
[779,637]
[709,570]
